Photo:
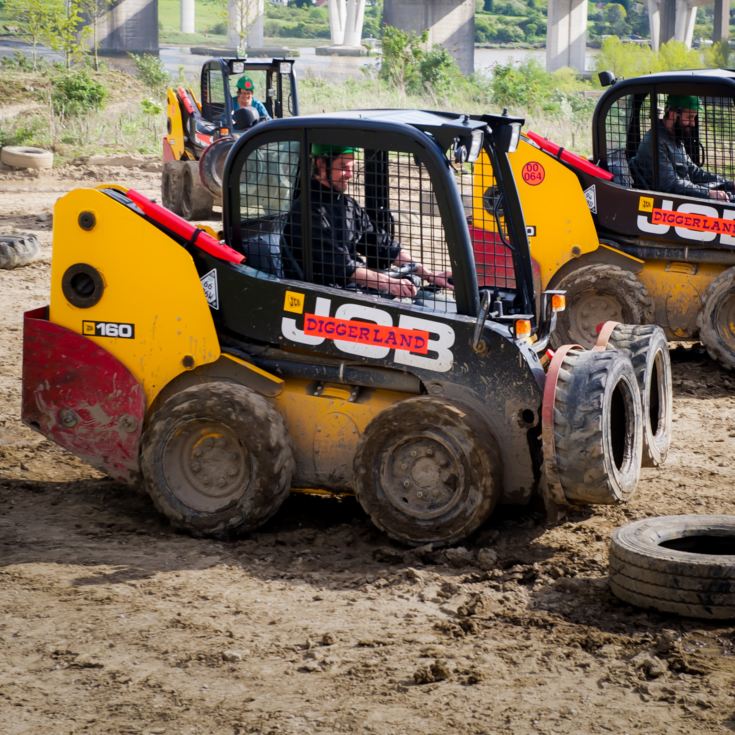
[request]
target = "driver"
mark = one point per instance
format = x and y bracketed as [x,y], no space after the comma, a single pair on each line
[347,246]
[246,98]
[677,173]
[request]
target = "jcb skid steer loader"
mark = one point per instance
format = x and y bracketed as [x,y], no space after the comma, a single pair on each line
[221,374]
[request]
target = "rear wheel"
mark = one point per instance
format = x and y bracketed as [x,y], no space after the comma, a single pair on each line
[648,350]
[717,319]
[427,471]
[196,201]
[216,459]
[172,185]
[598,432]
[596,294]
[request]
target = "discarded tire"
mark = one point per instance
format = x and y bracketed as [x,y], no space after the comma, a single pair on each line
[427,471]
[648,350]
[204,466]
[598,293]
[598,427]
[18,250]
[676,564]
[717,319]
[18,156]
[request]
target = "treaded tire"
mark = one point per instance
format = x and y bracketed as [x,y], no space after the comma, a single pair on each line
[427,471]
[598,427]
[648,350]
[676,564]
[172,185]
[216,459]
[598,293]
[18,250]
[196,201]
[716,320]
[21,156]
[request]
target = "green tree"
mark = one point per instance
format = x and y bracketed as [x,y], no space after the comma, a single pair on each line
[93,10]
[67,30]
[34,19]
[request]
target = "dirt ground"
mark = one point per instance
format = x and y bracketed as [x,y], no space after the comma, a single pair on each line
[112,623]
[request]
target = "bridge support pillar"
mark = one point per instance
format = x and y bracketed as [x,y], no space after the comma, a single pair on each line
[130,26]
[246,20]
[674,19]
[187,16]
[722,21]
[345,22]
[450,23]
[566,34]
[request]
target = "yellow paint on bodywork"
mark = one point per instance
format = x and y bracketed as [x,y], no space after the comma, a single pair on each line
[556,209]
[175,138]
[149,281]
[324,429]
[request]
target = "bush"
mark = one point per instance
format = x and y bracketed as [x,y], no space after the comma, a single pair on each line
[151,72]
[75,93]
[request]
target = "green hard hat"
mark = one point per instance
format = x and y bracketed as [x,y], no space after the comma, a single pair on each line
[326,149]
[246,83]
[682,102]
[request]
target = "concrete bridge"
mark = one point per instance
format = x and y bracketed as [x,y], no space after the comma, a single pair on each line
[132,25]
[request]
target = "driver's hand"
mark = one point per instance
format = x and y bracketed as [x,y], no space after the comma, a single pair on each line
[441,279]
[401,288]
[719,194]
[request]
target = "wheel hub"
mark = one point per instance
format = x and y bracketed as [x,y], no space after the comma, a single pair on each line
[420,476]
[207,467]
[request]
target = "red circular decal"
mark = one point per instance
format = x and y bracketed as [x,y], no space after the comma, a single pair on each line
[533,173]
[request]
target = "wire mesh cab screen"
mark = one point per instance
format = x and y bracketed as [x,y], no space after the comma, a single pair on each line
[363,218]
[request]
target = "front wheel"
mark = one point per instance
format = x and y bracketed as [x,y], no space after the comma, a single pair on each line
[717,319]
[216,459]
[596,294]
[427,471]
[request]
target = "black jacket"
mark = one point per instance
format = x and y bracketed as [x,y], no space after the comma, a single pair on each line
[343,238]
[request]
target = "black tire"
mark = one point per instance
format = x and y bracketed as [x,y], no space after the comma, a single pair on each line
[716,320]
[427,471]
[196,201]
[216,459]
[648,350]
[676,564]
[596,294]
[598,427]
[18,250]
[172,185]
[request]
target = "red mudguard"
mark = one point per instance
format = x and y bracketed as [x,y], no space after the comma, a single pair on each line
[81,397]
[573,159]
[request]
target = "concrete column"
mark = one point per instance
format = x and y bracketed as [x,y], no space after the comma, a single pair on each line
[674,19]
[246,16]
[337,18]
[187,16]
[686,15]
[566,34]
[130,26]
[721,30]
[450,23]
[353,23]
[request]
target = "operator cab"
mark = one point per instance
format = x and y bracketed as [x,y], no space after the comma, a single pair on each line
[438,184]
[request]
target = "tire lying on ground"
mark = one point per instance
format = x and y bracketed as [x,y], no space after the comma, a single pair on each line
[19,156]
[598,427]
[18,250]
[676,564]
[648,350]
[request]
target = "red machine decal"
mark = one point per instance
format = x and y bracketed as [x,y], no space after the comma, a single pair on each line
[533,173]
[397,338]
[81,397]
[699,222]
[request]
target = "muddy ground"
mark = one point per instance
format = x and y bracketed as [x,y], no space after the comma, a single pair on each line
[112,623]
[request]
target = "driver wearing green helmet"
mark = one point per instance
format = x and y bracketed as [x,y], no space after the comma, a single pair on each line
[245,98]
[347,246]
[677,173]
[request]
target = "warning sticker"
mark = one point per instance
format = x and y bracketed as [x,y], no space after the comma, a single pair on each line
[533,173]
[645,204]
[293,302]
[590,194]
[209,284]
[346,330]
